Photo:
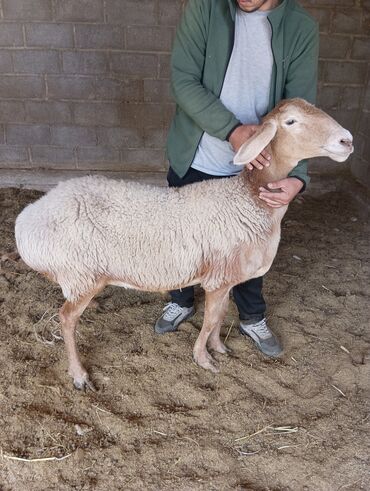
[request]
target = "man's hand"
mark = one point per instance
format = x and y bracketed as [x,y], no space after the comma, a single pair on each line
[239,136]
[288,189]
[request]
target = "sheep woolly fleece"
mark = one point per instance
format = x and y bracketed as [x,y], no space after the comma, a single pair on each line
[140,236]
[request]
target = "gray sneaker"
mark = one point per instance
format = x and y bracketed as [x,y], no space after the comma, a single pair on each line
[262,337]
[173,315]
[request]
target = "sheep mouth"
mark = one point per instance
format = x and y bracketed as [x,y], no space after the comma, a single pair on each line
[339,154]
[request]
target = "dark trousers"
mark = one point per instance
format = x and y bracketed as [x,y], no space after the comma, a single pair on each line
[248,295]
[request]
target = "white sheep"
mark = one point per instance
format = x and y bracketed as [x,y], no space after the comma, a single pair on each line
[91,232]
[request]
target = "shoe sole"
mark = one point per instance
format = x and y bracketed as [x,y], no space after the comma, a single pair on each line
[165,330]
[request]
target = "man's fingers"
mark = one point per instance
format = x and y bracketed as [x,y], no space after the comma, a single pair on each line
[280,198]
[261,161]
[255,163]
[271,203]
[266,155]
[263,158]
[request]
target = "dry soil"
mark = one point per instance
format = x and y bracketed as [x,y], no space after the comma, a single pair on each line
[158,422]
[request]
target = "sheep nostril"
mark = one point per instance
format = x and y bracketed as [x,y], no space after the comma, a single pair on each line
[346,142]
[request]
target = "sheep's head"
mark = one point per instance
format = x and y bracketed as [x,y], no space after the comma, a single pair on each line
[298,130]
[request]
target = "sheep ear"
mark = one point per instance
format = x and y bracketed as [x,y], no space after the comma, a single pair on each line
[254,146]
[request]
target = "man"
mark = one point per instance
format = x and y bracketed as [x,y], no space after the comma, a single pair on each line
[232,62]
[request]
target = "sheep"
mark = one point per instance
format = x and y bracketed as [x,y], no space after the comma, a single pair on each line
[92,231]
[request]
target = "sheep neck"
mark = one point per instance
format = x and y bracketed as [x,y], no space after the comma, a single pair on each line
[279,168]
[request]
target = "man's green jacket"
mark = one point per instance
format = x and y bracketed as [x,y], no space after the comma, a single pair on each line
[200,56]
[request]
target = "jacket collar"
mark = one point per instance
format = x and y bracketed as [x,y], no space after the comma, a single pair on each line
[275,16]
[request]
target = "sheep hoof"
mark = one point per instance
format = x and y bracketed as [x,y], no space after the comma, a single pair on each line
[219,348]
[84,383]
[207,362]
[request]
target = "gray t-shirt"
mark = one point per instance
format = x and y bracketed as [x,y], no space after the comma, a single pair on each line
[245,91]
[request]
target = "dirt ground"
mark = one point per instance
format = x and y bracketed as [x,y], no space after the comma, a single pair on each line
[158,422]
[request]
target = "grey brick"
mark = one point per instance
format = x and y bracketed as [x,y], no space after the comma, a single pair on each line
[6,64]
[361,49]
[143,115]
[144,38]
[72,136]
[68,87]
[99,36]
[365,124]
[322,68]
[345,72]
[367,98]
[343,3]
[99,114]
[169,12]
[347,21]
[338,97]
[58,156]
[12,112]
[361,170]
[147,159]
[11,35]
[366,153]
[328,97]
[99,166]
[351,97]
[135,65]
[48,112]
[155,137]
[23,134]
[168,113]
[97,154]
[157,91]
[79,10]
[346,118]
[27,9]
[366,21]
[49,35]
[85,62]
[131,12]
[360,142]
[21,87]
[332,46]
[323,16]
[119,137]
[122,90]
[36,61]
[164,66]
[12,155]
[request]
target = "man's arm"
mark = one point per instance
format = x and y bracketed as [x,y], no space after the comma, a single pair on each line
[187,62]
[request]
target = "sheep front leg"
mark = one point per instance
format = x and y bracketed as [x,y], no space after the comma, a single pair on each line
[69,315]
[214,313]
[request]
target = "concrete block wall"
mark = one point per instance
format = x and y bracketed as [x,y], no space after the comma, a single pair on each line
[344,75]
[84,84]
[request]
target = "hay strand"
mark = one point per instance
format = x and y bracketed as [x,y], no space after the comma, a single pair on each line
[228,332]
[45,459]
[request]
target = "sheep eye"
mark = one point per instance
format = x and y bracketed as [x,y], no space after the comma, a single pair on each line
[290,122]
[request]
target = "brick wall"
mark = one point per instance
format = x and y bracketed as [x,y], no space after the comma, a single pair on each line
[344,85]
[84,83]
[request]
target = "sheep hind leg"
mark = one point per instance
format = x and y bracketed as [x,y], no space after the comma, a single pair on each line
[214,313]
[69,315]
